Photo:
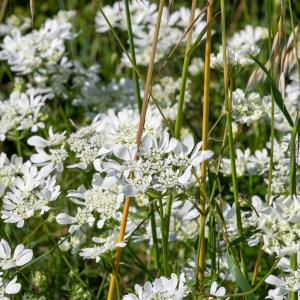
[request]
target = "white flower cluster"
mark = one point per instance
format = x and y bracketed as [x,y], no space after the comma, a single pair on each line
[285,285]
[14,22]
[92,142]
[20,257]
[258,164]
[248,108]
[27,193]
[22,111]
[161,288]
[143,19]
[53,160]
[104,199]
[277,224]
[241,46]
[29,52]
[163,163]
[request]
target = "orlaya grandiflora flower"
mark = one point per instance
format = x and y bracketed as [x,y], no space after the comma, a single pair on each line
[161,288]
[241,161]
[103,199]
[20,257]
[290,283]
[121,128]
[30,52]
[53,140]
[9,169]
[143,23]
[8,288]
[162,163]
[22,111]
[236,57]
[249,107]
[280,226]
[217,292]
[53,160]
[86,143]
[30,192]
[102,246]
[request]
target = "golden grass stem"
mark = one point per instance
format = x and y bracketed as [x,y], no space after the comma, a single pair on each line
[205,117]
[138,143]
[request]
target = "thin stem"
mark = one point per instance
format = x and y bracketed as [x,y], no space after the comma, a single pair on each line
[257,263]
[230,139]
[184,72]
[292,189]
[295,39]
[154,235]
[132,52]
[3,9]
[205,117]
[147,93]
[168,217]
[272,116]
[163,237]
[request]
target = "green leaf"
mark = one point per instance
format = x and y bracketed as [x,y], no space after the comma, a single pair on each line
[198,40]
[243,237]
[239,277]
[276,93]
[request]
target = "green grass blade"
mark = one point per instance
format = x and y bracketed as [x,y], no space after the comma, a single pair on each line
[277,95]
[239,277]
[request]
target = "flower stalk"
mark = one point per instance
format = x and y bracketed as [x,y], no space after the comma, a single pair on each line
[230,137]
[132,53]
[186,62]
[138,143]
[205,118]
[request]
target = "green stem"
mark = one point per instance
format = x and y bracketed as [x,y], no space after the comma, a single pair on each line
[272,115]
[18,144]
[294,266]
[184,72]
[230,140]
[295,39]
[154,235]
[163,238]
[168,217]
[132,52]
[292,189]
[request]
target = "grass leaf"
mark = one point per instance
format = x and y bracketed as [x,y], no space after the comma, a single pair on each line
[239,277]
[276,93]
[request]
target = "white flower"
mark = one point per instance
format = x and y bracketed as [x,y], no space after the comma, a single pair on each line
[143,16]
[15,22]
[8,288]
[53,140]
[236,57]
[101,247]
[248,36]
[20,257]
[29,193]
[27,53]
[22,111]
[104,198]
[161,288]
[248,108]
[291,283]
[86,143]
[49,162]
[9,169]
[280,226]
[241,161]
[216,291]
[121,128]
